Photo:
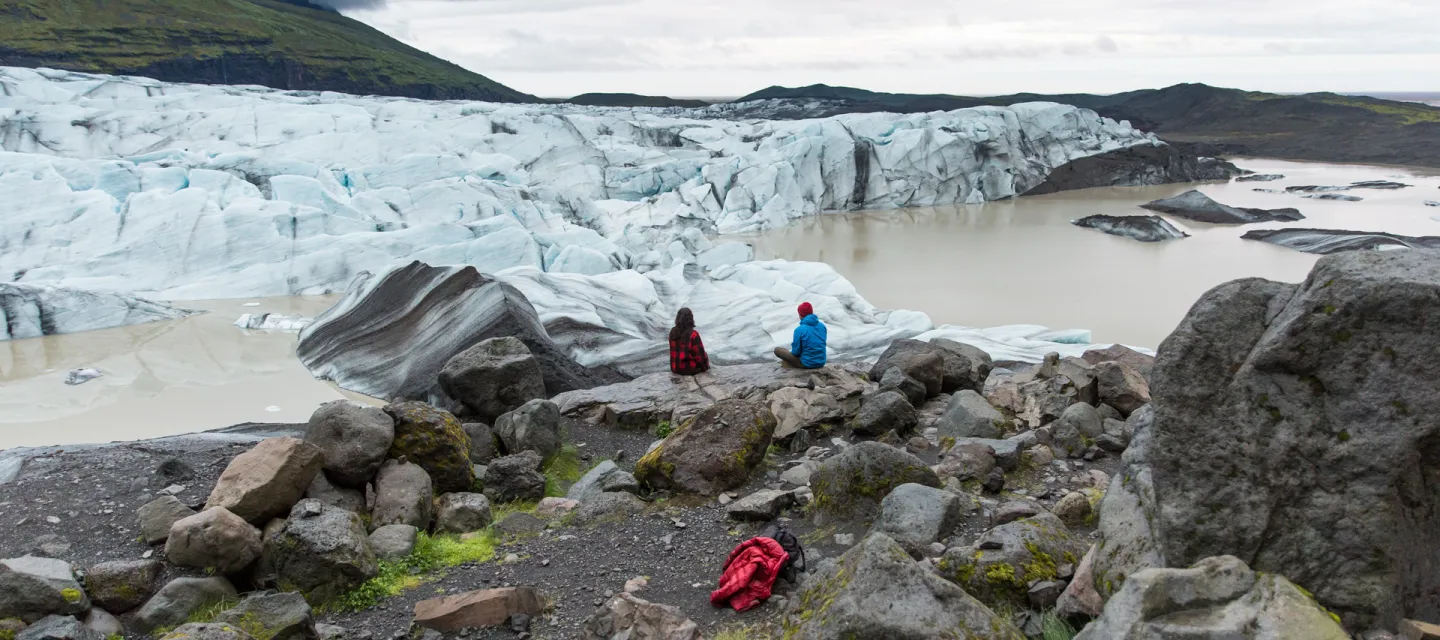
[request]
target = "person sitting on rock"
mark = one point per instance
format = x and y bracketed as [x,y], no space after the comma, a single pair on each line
[807,349]
[687,353]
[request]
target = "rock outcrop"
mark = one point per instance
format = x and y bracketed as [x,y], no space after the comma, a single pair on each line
[1193,205]
[31,311]
[1290,429]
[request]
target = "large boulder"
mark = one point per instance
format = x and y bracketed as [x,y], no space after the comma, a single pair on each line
[478,609]
[1218,598]
[58,628]
[713,452]
[494,377]
[213,539]
[462,513]
[877,592]
[917,359]
[535,426]
[966,366]
[32,588]
[626,617]
[884,412]
[403,495]
[514,478]
[354,439]
[119,586]
[1121,353]
[606,476]
[336,496]
[967,461]
[1122,387]
[798,408]
[267,480]
[482,442]
[322,551]
[156,516]
[279,616]
[896,380]
[393,541]
[1293,429]
[1003,562]
[174,602]
[969,415]
[853,483]
[916,516]
[433,439]
[1077,427]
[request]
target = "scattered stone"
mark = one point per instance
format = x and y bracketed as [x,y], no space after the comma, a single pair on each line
[853,483]
[916,359]
[486,608]
[799,475]
[433,439]
[520,524]
[31,588]
[1217,597]
[102,623]
[1073,509]
[322,551]
[626,617]
[845,539]
[267,480]
[1015,510]
[636,584]
[58,628]
[121,585]
[916,516]
[175,601]
[514,478]
[1067,437]
[609,505]
[1044,400]
[494,377]
[840,600]
[403,495]
[281,616]
[762,506]
[331,632]
[896,380]
[883,412]
[714,452]
[995,482]
[213,539]
[555,507]
[393,541]
[1040,455]
[969,461]
[999,567]
[1122,387]
[353,439]
[352,500]
[535,426]
[482,442]
[969,415]
[462,513]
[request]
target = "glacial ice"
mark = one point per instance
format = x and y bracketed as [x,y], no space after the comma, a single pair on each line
[31,311]
[180,192]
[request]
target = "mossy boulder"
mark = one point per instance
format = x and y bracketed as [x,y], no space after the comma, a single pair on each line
[840,598]
[32,588]
[853,483]
[999,567]
[322,552]
[712,452]
[121,585]
[278,616]
[435,440]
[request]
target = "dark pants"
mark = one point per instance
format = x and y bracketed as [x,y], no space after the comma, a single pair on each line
[790,359]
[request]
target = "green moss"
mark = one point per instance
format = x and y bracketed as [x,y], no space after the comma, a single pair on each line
[663,429]
[1000,574]
[1343,436]
[72,596]
[562,471]
[1041,566]
[1329,309]
[432,555]
[650,466]
[947,443]
[7,634]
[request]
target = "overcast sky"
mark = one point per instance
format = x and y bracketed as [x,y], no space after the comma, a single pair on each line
[559,48]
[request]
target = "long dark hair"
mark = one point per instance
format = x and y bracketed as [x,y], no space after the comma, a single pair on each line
[684,324]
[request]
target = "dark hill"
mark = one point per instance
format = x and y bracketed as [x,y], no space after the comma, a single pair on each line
[632,100]
[282,44]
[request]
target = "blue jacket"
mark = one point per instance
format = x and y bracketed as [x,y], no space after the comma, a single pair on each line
[809,342]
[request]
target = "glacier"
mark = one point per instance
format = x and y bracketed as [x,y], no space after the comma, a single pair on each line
[176,192]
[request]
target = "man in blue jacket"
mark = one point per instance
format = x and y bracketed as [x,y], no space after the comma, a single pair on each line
[807,349]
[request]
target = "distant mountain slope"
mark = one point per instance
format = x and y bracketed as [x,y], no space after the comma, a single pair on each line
[631,100]
[1315,126]
[286,45]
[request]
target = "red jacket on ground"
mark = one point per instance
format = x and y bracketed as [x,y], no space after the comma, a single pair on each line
[749,574]
[687,357]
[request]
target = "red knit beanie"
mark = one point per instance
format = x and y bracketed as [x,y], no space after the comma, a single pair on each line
[806,309]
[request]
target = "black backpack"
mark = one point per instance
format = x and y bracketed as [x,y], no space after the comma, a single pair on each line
[792,548]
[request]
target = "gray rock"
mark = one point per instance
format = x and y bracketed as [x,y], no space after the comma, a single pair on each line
[482,442]
[393,541]
[714,452]
[102,623]
[799,475]
[1073,509]
[32,588]
[1080,600]
[622,481]
[969,415]
[916,516]
[535,426]
[1108,413]
[494,377]
[1216,598]
[433,439]
[1121,353]
[322,551]
[895,379]
[1043,401]
[1274,405]
[1081,375]
[520,524]
[121,585]
[968,461]
[462,513]
[1107,442]
[174,602]
[331,632]
[883,412]
[1122,387]
[917,359]
[207,631]
[609,505]
[403,495]
[515,477]
[843,599]
[999,567]
[156,516]
[1007,452]
[625,616]
[798,408]
[853,483]
[762,506]
[267,480]
[1085,418]
[995,482]
[966,366]
[352,500]
[1015,510]
[353,438]
[213,539]
[592,484]
[1067,439]
[281,616]
[58,628]
[1043,594]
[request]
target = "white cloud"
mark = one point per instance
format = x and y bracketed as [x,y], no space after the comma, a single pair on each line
[565,47]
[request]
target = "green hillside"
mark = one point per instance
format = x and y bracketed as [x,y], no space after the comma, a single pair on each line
[264,42]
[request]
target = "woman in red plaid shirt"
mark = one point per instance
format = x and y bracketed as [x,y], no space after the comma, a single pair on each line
[687,353]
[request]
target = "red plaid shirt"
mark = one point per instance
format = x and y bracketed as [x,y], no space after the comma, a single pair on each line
[687,357]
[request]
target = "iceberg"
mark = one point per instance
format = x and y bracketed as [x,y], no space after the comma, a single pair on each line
[32,311]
